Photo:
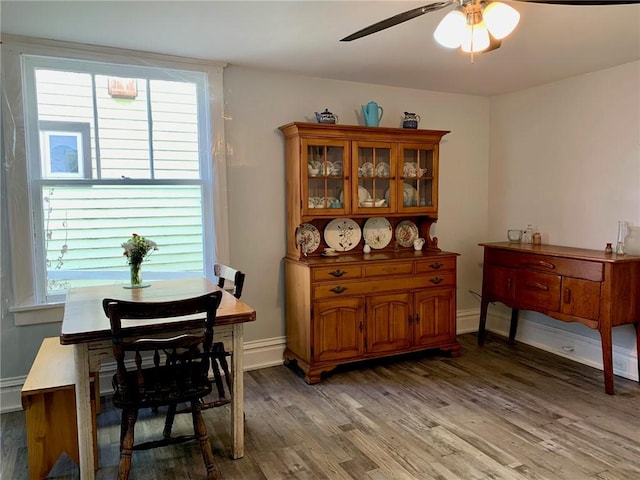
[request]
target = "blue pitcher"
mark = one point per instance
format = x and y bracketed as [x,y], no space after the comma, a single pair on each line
[372,113]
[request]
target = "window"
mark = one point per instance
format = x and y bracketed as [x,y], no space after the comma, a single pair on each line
[114,149]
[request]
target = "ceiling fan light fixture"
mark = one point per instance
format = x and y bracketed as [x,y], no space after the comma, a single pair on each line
[501,19]
[475,38]
[450,30]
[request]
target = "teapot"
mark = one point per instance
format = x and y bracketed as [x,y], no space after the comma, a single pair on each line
[410,120]
[372,113]
[418,243]
[326,117]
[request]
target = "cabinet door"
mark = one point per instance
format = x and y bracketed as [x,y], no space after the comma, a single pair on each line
[374,167]
[498,283]
[325,177]
[434,320]
[338,329]
[580,298]
[387,327]
[417,188]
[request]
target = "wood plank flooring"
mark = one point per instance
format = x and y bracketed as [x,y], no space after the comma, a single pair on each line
[503,411]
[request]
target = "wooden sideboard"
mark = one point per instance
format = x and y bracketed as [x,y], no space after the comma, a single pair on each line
[569,284]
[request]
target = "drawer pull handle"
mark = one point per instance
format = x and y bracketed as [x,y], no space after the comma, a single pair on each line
[567,295]
[337,273]
[417,319]
[338,289]
[436,280]
[540,263]
[538,286]
[410,319]
[436,266]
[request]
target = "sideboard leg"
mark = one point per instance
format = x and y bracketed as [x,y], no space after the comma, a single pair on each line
[513,328]
[637,325]
[484,304]
[607,359]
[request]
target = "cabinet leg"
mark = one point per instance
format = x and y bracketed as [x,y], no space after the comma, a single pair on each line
[484,305]
[513,328]
[637,325]
[607,360]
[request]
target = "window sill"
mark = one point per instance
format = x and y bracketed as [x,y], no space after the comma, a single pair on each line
[37,314]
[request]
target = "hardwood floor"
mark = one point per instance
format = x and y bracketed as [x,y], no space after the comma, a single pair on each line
[498,412]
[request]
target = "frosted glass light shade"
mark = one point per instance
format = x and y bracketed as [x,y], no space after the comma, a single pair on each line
[450,30]
[475,38]
[501,19]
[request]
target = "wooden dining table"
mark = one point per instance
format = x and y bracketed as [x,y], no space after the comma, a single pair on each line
[87,328]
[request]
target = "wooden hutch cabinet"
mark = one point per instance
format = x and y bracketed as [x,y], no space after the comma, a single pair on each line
[347,186]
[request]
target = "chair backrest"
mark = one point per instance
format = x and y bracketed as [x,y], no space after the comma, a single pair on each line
[137,337]
[224,272]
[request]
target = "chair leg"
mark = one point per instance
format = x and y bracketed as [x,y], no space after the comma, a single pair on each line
[168,423]
[129,417]
[200,430]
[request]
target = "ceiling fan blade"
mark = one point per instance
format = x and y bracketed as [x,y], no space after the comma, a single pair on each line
[399,18]
[582,2]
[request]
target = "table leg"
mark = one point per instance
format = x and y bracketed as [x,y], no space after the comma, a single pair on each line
[637,326]
[607,359]
[484,305]
[237,398]
[83,411]
[513,327]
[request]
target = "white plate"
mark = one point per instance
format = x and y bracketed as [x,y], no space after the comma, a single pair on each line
[363,194]
[342,234]
[383,170]
[308,237]
[337,168]
[406,233]
[366,170]
[377,232]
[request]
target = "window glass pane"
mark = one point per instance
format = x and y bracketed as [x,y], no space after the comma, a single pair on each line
[84,227]
[65,114]
[123,129]
[175,129]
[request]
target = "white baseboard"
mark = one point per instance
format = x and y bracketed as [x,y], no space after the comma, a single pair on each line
[268,353]
[579,348]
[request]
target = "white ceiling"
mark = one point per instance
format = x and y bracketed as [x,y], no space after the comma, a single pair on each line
[552,42]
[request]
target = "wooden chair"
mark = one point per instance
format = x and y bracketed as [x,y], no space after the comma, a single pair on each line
[218,353]
[183,377]
[219,362]
[224,273]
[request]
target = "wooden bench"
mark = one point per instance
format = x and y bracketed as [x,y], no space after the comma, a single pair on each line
[49,402]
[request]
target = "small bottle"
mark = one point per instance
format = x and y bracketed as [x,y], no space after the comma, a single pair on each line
[537,238]
[527,236]
[366,248]
[608,248]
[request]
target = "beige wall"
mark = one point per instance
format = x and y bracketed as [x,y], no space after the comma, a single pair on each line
[566,158]
[258,102]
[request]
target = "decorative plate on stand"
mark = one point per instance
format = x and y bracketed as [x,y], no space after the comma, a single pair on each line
[308,237]
[342,234]
[377,232]
[406,233]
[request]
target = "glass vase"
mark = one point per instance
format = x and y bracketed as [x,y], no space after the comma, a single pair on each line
[136,275]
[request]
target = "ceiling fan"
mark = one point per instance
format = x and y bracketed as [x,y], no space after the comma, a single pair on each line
[475,25]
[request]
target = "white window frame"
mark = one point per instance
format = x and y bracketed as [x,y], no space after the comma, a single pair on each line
[29,303]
